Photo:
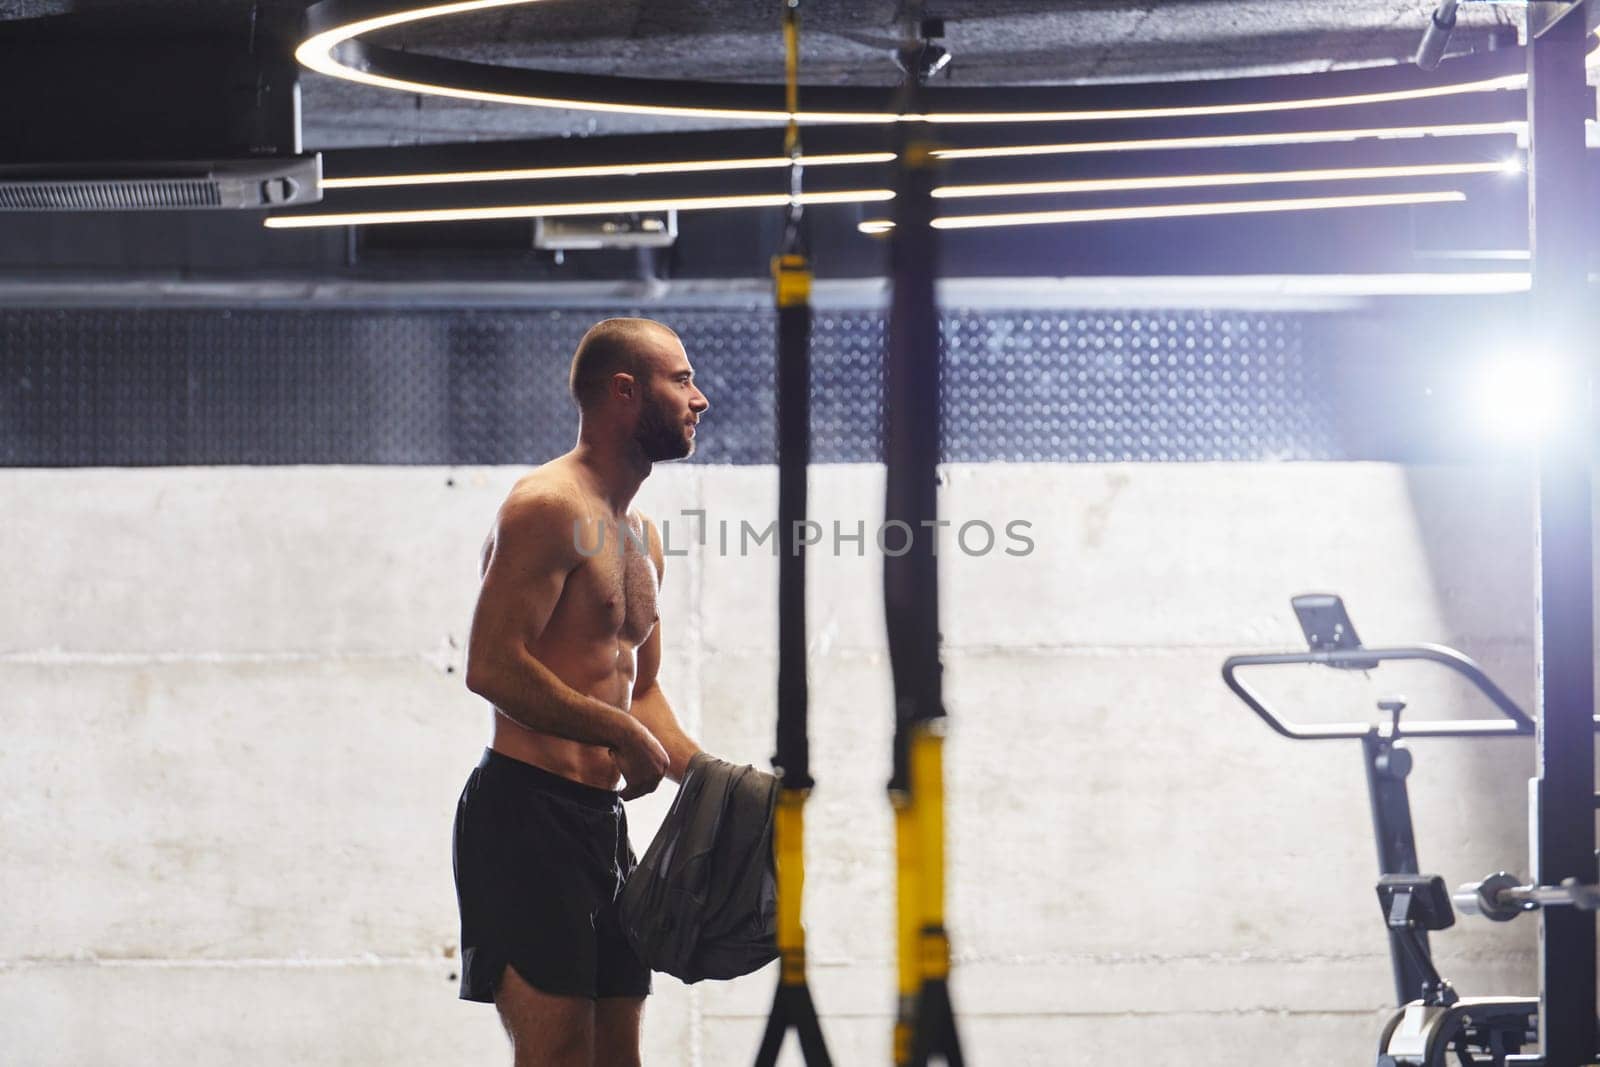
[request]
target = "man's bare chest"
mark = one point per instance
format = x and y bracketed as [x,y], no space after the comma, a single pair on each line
[618,588]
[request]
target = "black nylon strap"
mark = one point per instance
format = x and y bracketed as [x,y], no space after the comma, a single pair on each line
[792,1009]
[911,451]
[792,760]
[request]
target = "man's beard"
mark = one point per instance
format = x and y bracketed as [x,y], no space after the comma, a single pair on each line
[658,437]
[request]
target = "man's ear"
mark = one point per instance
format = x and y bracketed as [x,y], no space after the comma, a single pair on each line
[622,385]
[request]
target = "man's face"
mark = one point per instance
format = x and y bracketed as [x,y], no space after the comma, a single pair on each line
[670,405]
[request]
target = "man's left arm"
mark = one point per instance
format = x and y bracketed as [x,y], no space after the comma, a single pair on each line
[649,704]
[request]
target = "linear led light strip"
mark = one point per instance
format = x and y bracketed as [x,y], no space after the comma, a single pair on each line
[611,207]
[1240,140]
[1192,181]
[316,53]
[603,170]
[1172,211]
[847,159]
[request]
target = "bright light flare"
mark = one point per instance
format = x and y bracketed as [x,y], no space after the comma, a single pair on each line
[1520,399]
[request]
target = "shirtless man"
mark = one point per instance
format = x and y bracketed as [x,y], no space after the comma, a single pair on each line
[565,644]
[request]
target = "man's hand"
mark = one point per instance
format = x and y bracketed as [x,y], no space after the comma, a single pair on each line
[642,761]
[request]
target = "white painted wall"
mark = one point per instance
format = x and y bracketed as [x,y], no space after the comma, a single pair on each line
[233,729]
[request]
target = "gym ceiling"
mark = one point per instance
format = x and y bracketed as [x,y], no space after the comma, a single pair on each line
[1020,44]
[992,42]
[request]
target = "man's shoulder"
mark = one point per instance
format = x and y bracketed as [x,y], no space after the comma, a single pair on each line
[543,499]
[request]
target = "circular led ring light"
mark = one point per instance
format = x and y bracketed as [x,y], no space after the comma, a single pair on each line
[332,47]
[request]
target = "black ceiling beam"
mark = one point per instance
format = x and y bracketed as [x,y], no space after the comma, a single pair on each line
[1477,108]
[107,96]
[771,183]
[1128,163]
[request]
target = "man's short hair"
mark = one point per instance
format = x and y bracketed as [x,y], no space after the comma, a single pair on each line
[612,346]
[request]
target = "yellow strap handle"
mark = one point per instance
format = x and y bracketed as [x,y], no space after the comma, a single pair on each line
[924,947]
[927,791]
[927,787]
[788,850]
[791,279]
[908,923]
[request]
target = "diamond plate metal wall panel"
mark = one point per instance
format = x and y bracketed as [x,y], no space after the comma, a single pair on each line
[507,398]
[1121,386]
[847,386]
[734,356]
[270,387]
[168,386]
[96,398]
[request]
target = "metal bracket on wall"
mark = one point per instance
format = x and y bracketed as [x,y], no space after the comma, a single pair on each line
[1543,14]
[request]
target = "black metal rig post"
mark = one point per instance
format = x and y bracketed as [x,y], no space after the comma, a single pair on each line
[1558,101]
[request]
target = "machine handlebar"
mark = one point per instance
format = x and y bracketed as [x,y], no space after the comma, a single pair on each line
[1515,722]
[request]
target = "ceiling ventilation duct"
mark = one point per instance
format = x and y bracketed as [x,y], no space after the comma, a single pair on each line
[178,186]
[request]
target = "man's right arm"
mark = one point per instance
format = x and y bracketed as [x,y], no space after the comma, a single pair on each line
[532,555]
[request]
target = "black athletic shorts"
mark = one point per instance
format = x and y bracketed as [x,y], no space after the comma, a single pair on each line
[539,862]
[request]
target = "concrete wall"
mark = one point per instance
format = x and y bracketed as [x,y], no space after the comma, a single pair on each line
[233,729]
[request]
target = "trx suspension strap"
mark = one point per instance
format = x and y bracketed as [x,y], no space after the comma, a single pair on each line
[925,1025]
[791,273]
